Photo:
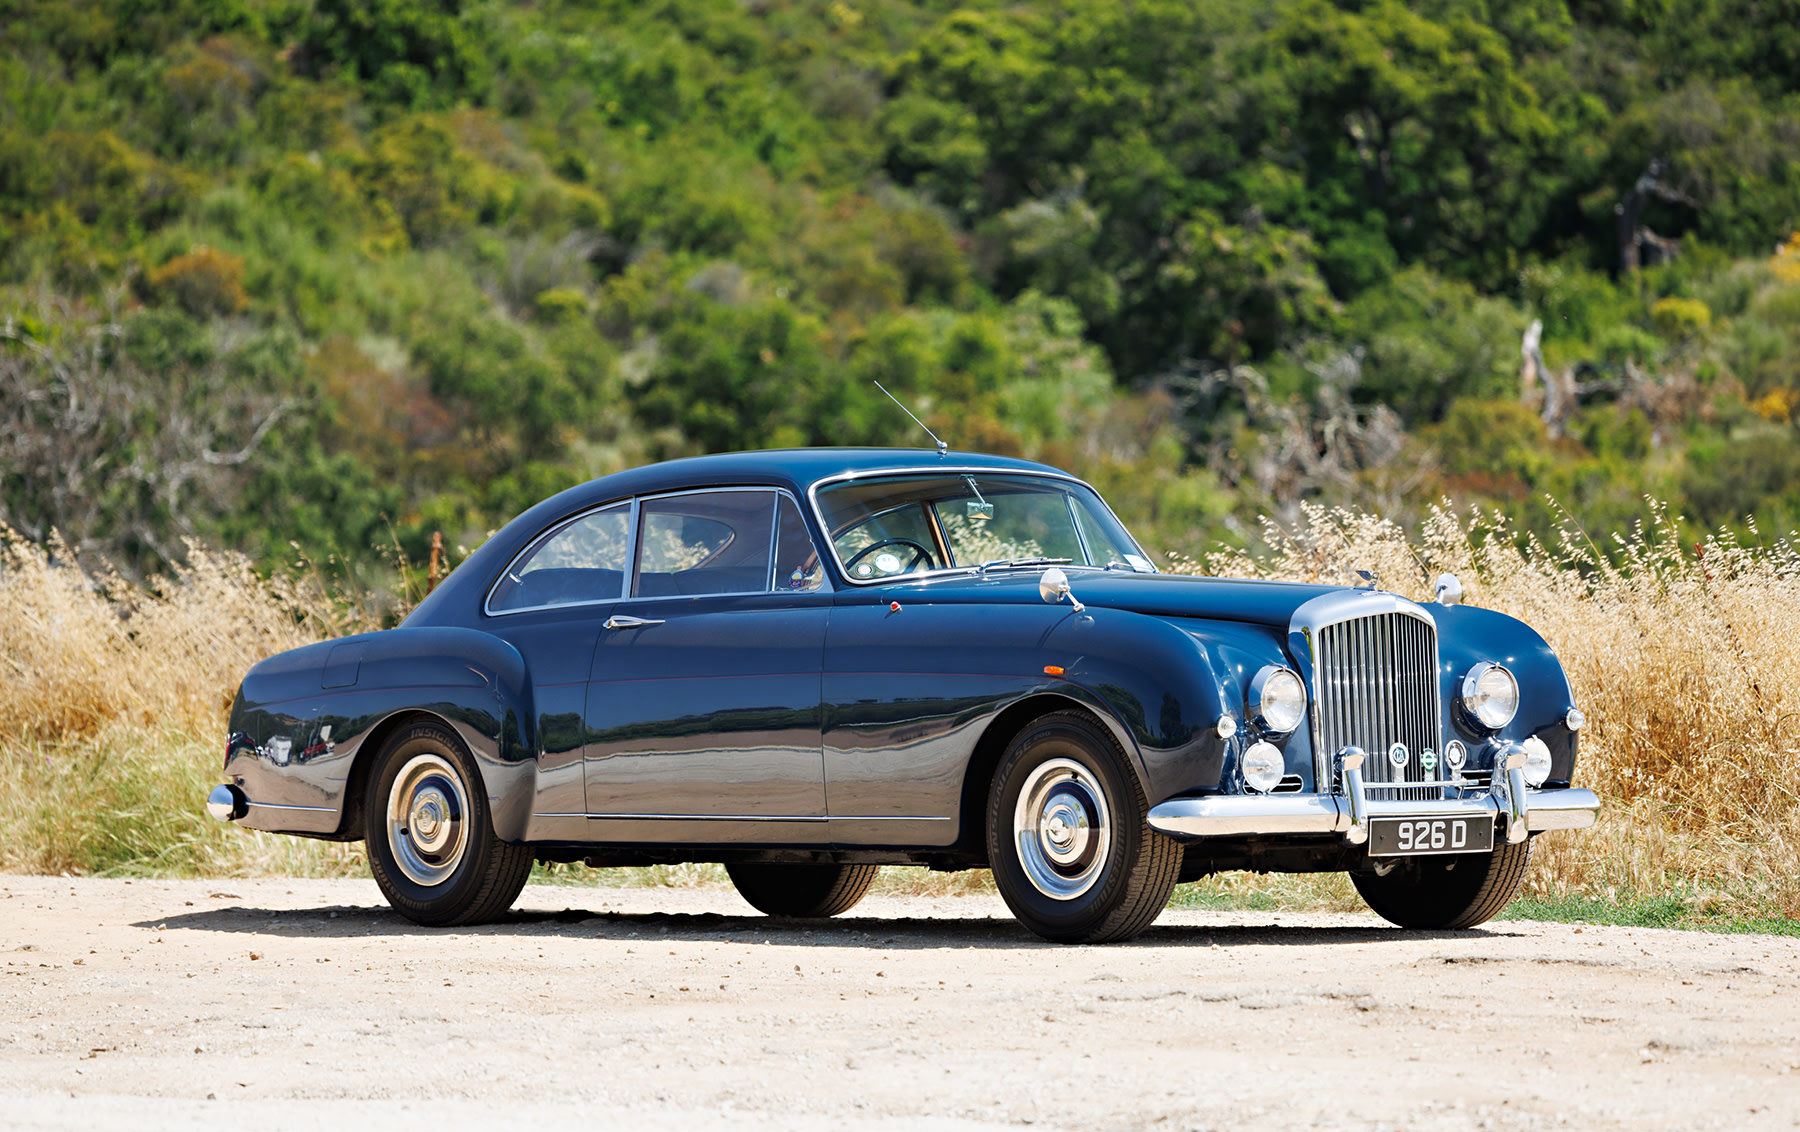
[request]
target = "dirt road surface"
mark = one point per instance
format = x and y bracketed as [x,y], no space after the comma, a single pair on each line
[286,1004]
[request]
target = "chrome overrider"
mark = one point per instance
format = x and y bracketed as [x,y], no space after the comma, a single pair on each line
[1519,810]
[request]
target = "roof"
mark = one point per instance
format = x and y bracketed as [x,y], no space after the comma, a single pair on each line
[793,468]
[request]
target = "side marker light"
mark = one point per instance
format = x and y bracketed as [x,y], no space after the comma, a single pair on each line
[1053,670]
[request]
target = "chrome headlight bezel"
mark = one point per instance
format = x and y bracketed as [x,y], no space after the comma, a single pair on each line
[1480,706]
[1272,714]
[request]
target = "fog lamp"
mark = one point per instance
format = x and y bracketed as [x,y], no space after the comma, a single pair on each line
[1537,762]
[1264,766]
[1490,695]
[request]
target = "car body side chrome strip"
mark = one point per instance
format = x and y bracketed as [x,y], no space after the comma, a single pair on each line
[746,817]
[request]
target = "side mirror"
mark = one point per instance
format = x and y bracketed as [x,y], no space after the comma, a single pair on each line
[1053,586]
[1449,590]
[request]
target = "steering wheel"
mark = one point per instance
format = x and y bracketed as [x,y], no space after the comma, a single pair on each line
[921,553]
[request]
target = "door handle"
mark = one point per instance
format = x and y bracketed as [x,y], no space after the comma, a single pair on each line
[629,622]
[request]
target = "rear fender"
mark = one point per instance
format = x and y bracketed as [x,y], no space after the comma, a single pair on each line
[307,722]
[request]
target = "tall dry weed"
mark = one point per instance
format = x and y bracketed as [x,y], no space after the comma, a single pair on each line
[1682,656]
[113,706]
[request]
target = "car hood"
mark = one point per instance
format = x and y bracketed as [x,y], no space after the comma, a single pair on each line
[1159,595]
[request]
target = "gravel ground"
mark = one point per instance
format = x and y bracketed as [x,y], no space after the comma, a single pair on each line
[289,1004]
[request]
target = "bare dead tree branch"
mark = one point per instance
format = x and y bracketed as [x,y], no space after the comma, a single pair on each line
[122,460]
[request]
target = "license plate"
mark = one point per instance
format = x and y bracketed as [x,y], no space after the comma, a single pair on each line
[1413,837]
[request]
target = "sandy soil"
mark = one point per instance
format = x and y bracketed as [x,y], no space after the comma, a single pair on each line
[276,1004]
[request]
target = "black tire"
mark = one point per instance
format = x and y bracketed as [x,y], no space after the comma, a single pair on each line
[803,891]
[475,876]
[1447,893]
[1099,887]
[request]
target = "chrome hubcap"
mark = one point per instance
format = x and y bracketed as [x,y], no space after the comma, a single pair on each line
[427,830]
[1062,829]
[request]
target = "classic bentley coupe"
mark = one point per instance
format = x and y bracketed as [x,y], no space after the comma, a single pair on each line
[808,664]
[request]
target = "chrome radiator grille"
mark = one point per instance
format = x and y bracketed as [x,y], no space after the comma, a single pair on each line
[1376,685]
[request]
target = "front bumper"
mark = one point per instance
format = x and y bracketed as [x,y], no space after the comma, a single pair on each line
[1239,815]
[1520,810]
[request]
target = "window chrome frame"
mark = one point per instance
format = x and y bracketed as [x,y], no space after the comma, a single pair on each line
[812,494]
[631,550]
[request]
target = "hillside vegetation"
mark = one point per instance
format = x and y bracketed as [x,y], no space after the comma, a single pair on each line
[330,275]
[310,280]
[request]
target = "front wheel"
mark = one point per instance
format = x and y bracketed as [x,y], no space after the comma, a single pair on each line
[803,891]
[1068,842]
[431,845]
[1446,893]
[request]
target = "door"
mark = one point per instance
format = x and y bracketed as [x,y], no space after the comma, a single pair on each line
[549,605]
[703,710]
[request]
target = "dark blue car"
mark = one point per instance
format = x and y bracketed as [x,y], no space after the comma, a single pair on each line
[809,664]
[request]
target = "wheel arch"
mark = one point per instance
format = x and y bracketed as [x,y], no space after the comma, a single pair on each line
[1006,726]
[368,753]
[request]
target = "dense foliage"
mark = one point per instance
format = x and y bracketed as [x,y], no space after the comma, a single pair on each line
[333,274]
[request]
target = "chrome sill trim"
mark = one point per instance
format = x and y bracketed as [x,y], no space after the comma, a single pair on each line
[1249,815]
[704,817]
[740,817]
[301,809]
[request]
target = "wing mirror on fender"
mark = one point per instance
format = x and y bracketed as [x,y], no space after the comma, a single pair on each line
[1054,586]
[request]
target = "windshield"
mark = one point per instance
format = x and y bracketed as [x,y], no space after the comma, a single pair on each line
[893,525]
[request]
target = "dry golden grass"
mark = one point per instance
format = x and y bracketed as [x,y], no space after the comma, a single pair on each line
[112,713]
[112,710]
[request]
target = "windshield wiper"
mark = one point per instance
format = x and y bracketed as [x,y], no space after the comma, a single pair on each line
[1004,563]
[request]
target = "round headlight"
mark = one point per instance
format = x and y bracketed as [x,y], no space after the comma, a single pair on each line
[1263,767]
[1537,762]
[1490,695]
[1278,699]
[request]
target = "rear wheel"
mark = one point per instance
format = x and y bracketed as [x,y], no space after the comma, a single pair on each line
[1438,893]
[431,845]
[804,891]
[1067,838]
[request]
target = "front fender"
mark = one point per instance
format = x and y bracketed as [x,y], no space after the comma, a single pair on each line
[1161,683]
[302,724]
[1468,635]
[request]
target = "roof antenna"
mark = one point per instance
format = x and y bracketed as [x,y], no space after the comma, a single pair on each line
[942,447]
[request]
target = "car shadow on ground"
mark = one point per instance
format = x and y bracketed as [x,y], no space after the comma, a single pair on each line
[918,933]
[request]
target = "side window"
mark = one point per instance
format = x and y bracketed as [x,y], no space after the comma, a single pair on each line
[797,565]
[582,561]
[711,542]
